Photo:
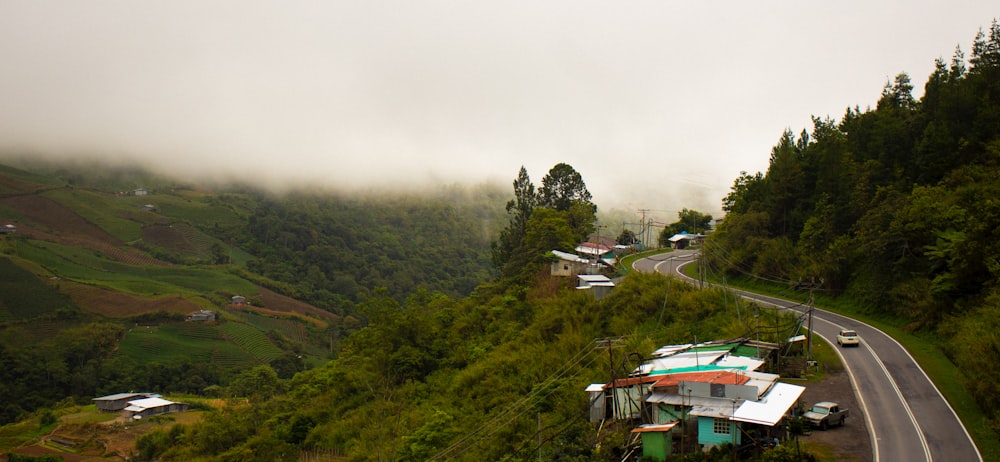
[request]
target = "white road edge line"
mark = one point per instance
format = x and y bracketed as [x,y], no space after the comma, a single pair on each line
[936,390]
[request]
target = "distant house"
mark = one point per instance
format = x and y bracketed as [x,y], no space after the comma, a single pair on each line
[8,229]
[599,284]
[148,208]
[145,407]
[683,240]
[239,301]
[600,252]
[201,315]
[140,192]
[118,401]
[568,264]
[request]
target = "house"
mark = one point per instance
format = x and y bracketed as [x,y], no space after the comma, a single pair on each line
[141,408]
[118,401]
[8,229]
[239,301]
[600,252]
[139,192]
[683,240]
[568,264]
[599,284]
[201,315]
[148,208]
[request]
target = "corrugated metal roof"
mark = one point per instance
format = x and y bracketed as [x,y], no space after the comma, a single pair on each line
[769,410]
[720,409]
[717,377]
[647,428]
[569,256]
[149,402]
[118,396]
[595,387]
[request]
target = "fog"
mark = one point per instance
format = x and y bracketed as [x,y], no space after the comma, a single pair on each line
[659,105]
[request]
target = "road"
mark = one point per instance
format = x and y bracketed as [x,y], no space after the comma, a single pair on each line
[907,417]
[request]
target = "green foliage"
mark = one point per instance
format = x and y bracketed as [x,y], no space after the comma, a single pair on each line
[461,379]
[689,221]
[558,217]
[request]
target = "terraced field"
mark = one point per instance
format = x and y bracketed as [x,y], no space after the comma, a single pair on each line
[293,330]
[181,238]
[251,340]
[191,341]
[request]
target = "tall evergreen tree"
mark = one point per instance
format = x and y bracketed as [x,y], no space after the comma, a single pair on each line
[563,186]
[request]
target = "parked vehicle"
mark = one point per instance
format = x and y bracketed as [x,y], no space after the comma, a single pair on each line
[847,337]
[824,414]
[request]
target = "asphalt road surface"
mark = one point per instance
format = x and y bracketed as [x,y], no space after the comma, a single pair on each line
[906,415]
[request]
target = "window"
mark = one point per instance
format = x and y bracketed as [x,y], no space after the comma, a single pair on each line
[721,427]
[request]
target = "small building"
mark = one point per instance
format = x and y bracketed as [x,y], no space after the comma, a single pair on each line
[8,229]
[148,208]
[141,408]
[600,252]
[239,301]
[656,440]
[140,192]
[599,284]
[201,315]
[568,264]
[118,401]
[684,240]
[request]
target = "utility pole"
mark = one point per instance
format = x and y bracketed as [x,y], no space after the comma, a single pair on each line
[642,230]
[610,344]
[809,338]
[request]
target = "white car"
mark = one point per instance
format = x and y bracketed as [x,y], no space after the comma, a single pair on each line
[848,337]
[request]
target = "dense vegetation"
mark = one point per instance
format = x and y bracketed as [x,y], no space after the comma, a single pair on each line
[440,379]
[894,208]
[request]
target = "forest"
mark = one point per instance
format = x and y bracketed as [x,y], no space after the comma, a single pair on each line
[893,209]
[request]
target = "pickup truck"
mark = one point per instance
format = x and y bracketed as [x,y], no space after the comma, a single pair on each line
[824,414]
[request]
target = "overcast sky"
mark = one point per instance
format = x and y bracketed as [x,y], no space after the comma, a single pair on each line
[658,104]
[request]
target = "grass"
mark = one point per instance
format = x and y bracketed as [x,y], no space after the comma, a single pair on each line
[927,352]
[626,262]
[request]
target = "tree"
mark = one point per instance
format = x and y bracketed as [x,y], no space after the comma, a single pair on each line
[745,193]
[627,237]
[562,187]
[519,209]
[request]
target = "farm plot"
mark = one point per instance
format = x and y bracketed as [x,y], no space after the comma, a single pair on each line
[292,330]
[171,342]
[252,340]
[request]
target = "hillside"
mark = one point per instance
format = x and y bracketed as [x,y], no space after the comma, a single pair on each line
[95,251]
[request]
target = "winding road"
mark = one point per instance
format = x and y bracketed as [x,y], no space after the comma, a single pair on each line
[907,417]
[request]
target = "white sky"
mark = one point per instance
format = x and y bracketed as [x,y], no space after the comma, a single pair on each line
[658,104]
